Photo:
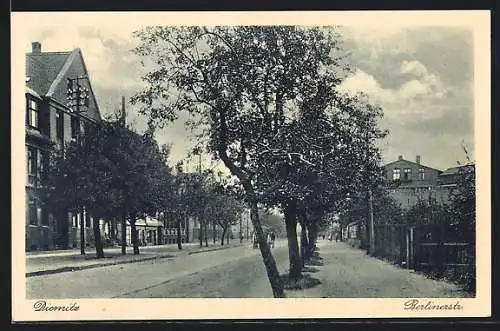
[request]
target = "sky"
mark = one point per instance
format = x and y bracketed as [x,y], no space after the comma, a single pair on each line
[422,77]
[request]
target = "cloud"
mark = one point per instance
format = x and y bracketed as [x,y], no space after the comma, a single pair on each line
[421,85]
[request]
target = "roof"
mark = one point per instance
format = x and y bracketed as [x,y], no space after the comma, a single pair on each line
[32,93]
[454,170]
[450,171]
[46,70]
[43,68]
[417,164]
[148,222]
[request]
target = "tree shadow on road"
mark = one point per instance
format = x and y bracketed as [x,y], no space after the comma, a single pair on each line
[309,269]
[303,282]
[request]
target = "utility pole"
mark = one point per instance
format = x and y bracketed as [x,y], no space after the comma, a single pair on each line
[123,114]
[247,228]
[371,225]
[241,230]
[371,222]
[78,96]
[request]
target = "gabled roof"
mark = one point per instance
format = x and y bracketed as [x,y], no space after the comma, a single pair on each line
[46,70]
[43,68]
[414,163]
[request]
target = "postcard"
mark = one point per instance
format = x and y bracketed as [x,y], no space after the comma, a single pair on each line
[250,165]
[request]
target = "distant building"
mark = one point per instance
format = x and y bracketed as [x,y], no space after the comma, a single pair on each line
[50,120]
[408,182]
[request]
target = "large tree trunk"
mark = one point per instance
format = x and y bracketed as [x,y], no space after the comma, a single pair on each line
[186,220]
[112,232]
[205,234]
[214,229]
[82,231]
[223,236]
[265,251]
[293,246]
[303,243]
[312,233]
[135,242]
[179,238]
[99,250]
[124,231]
[200,235]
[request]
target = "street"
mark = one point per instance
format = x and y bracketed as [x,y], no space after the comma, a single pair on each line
[238,272]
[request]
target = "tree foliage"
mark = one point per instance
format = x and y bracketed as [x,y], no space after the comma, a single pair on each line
[255,93]
[111,172]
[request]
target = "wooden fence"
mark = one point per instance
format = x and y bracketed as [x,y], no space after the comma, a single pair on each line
[428,248]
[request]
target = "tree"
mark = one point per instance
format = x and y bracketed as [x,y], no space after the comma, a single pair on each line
[81,177]
[463,203]
[237,81]
[112,171]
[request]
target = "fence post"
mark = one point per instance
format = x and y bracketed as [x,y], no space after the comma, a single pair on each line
[416,248]
[441,251]
[407,235]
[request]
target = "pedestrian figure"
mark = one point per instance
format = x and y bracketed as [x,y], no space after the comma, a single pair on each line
[273,237]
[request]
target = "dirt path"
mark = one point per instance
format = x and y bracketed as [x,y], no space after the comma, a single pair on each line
[350,273]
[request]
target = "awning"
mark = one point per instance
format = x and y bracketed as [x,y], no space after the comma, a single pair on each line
[148,222]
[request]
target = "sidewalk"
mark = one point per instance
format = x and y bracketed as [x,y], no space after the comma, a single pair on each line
[347,272]
[50,262]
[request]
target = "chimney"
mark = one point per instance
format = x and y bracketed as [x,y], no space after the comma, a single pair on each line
[418,159]
[400,157]
[36,47]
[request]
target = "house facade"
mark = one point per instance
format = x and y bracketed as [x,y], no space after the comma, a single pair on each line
[52,121]
[408,182]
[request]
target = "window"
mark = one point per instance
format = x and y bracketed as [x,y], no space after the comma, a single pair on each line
[44,164]
[407,174]
[31,158]
[396,174]
[87,219]
[75,127]
[74,220]
[421,173]
[59,126]
[45,217]
[32,115]
[32,212]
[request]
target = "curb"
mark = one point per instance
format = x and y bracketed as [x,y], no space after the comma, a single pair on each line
[212,249]
[99,265]
[92,266]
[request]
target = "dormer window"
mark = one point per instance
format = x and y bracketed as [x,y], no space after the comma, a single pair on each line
[421,173]
[32,117]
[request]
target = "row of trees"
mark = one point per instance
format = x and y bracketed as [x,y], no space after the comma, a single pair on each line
[266,102]
[119,175]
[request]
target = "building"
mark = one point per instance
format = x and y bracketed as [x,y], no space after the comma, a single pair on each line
[52,118]
[409,182]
